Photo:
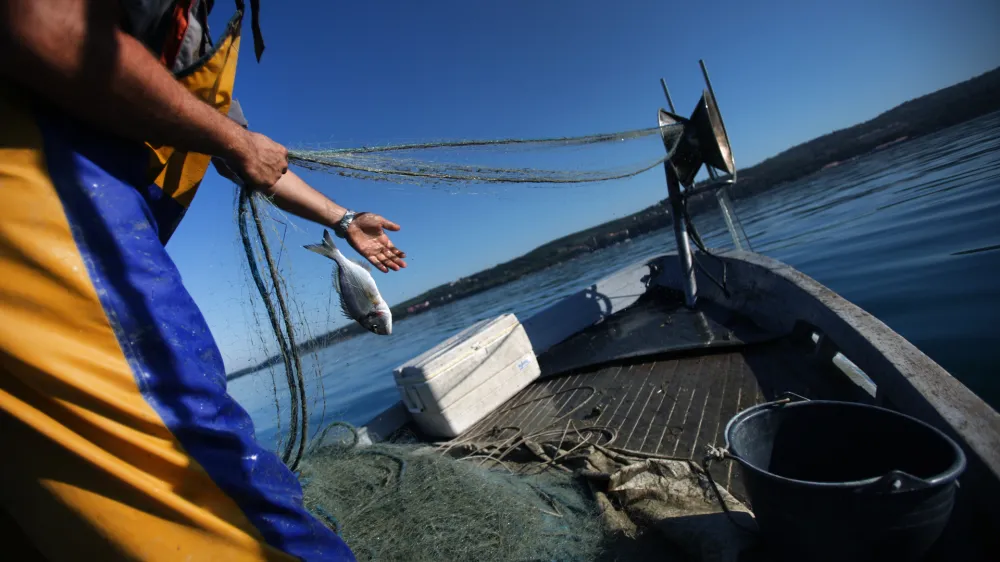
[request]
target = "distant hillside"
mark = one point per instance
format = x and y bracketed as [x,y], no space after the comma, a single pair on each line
[952,105]
[944,108]
[562,249]
[956,104]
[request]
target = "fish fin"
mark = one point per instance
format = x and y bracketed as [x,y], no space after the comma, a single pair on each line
[363,264]
[328,240]
[340,294]
[336,278]
[327,248]
[343,309]
[318,248]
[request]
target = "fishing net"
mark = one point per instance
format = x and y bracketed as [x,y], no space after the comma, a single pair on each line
[272,291]
[565,499]
[433,163]
[287,331]
[408,502]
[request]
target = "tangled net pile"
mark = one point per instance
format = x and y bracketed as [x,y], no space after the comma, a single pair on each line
[408,502]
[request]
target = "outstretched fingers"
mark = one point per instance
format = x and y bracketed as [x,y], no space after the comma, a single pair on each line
[392,250]
[377,260]
[371,241]
[385,260]
[396,255]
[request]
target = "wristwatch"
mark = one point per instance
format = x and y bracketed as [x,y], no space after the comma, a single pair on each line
[340,228]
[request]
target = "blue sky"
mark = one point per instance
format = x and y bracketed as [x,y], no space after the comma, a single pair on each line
[363,73]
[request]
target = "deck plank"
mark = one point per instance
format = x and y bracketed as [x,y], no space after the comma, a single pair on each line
[729,406]
[608,380]
[652,418]
[672,406]
[546,406]
[636,417]
[750,394]
[707,429]
[687,387]
[616,395]
[709,373]
[668,428]
[633,401]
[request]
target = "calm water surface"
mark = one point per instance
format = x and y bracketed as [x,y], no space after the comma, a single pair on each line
[911,234]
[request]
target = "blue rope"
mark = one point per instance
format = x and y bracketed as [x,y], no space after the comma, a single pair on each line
[318,441]
[330,519]
[397,458]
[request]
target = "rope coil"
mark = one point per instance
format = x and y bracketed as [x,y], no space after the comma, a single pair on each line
[298,432]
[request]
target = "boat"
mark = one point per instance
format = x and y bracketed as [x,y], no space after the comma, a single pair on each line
[670,352]
[670,357]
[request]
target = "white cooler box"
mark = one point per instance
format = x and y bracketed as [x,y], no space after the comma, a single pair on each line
[460,381]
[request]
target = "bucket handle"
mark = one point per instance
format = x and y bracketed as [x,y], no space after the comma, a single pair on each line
[717,454]
[783,399]
[722,454]
[787,397]
[896,481]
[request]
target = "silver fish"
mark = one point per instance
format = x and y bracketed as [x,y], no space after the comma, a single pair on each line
[359,297]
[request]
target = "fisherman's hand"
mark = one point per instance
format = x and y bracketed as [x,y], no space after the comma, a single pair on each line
[259,161]
[366,235]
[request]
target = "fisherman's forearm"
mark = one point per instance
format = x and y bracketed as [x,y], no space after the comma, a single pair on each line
[73,54]
[294,195]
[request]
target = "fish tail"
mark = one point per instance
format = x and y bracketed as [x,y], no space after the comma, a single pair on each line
[327,248]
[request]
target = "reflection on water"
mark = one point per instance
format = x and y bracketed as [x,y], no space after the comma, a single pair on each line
[910,234]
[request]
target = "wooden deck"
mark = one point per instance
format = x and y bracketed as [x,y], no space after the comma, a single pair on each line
[674,406]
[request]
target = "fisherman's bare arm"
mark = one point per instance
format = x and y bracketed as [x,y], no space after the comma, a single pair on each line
[366,233]
[73,54]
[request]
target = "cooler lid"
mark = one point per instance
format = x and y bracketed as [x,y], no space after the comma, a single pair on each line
[456,349]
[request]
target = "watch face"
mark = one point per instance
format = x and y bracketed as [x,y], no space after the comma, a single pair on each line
[341,227]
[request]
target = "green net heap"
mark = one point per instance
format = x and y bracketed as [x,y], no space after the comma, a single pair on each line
[409,502]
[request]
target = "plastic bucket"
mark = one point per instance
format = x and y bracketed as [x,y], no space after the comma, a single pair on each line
[843,481]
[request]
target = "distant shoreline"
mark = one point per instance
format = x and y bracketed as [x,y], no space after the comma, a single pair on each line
[927,114]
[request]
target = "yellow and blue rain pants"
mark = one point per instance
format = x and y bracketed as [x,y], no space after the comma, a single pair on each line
[118,438]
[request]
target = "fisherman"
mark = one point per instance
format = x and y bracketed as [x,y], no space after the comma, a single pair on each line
[119,439]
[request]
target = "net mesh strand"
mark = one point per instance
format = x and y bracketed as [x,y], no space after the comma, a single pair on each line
[412,163]
[408,502]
